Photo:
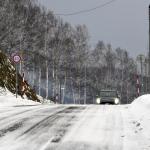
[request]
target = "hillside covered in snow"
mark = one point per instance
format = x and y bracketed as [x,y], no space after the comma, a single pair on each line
[8,79]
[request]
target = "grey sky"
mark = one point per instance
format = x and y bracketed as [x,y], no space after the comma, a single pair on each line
[123,23]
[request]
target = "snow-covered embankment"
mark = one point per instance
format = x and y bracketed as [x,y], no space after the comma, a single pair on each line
[9,99]
[140,108]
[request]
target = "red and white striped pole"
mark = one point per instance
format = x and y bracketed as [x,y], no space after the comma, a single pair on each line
[23,77]
[138,86]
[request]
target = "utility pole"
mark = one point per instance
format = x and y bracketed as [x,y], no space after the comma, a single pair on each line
[149,53]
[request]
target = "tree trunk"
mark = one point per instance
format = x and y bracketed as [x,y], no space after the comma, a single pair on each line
[39,87]
[47,79]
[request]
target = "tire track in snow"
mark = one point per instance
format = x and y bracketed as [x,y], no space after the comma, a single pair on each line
[113,128]
[48,129]
[49,120]
[96,130]
[11,128]
[29,129]
[11,118]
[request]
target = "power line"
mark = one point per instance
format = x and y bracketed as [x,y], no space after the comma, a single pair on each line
[86,10]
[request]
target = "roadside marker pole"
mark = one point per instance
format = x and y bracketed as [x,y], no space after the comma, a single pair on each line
[138,86]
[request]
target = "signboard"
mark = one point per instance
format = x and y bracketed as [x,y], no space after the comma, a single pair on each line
[16,58]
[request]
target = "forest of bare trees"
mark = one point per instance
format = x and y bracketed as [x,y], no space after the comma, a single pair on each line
[57,58]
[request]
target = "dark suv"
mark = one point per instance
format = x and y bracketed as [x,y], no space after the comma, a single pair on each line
[108,96]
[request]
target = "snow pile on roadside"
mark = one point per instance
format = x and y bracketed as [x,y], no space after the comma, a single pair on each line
[141,106]
[9,99]
[44,100]
[142,102]
[140,109]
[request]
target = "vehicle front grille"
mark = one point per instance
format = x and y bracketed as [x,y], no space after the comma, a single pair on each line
[107,99]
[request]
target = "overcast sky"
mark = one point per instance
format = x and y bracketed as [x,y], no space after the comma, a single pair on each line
[123,23]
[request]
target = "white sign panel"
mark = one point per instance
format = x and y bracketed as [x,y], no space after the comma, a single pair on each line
[16,58]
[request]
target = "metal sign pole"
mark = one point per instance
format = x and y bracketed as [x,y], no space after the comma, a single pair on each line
[16,81]
[16,59]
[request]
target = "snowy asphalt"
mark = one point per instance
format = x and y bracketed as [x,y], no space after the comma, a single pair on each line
[66,127]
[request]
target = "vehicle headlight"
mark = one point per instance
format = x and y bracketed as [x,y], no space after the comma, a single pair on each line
[116,100]
[98,100]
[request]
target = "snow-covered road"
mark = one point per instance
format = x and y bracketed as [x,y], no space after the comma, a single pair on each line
[105,127]
[59,127]
[30,127]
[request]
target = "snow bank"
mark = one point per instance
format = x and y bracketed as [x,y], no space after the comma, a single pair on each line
[44,100]
[142,102]
[140,108]
[9,99]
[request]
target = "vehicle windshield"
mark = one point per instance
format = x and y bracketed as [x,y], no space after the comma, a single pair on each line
[108,94]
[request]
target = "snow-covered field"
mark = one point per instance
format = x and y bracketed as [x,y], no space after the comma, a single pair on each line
[32,126]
